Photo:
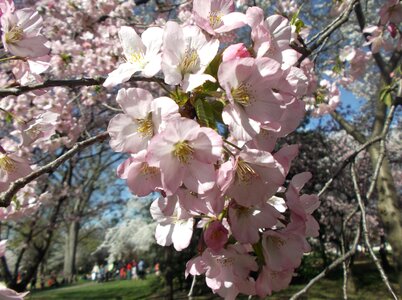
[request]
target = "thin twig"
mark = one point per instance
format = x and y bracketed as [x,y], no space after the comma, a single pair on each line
[344,266]
[190,292]
[338,22]
[16,91]
[6,196]
[381,157]
[334,264]
[366,235]
[347,161]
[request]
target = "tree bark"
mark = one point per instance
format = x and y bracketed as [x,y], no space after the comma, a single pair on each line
[389,208]
[71,251]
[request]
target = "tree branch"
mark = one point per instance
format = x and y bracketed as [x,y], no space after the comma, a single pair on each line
[6,197]
[347,161]
[16,91]
[350,129]
[366,235]
[381,157]
[332,266]
[324,34]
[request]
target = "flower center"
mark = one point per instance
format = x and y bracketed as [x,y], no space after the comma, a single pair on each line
[183,151]
[241,94]
[215,19]
[244,172]
[145,126]
[136,57]
[276,241]
[189,61]
[147,170]
[225,261]
[6,163]
[14,35]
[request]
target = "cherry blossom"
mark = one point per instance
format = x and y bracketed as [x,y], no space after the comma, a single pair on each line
[217,16]
[186,54]
[142,54]
[21,33]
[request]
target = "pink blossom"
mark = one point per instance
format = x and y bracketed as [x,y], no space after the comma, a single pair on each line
[217,16]
[142,54]
[226,271]
[12,167]
[8,294]
[175,225]
[21,35]
[215,235]
[141,178]
[143,118]
[248,84]
[391,11]
[186,54]
[245,222]
[328,98]
[282,250]
[269,281]
[235,51]
[185,154]
[376,39]
[42,128]
[303,205]
[271,37]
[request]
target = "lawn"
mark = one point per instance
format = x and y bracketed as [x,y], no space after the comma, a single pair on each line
[366,285]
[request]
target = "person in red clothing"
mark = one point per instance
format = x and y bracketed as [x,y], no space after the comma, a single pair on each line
[129,267]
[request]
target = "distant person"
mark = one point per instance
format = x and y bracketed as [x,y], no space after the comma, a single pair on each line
[157,270]
[141,269]
[129,268]
[134,270]
[95,272]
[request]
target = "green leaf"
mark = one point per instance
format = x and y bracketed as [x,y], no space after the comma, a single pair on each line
[385,95]
[205,113]
[179,97]
[9,118]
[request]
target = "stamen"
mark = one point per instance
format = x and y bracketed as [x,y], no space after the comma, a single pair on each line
[6,163]
[189,61]
[241,94]
[215,19]
[136,57]
[183,151]
[147,170]
[14,35]
[244,172]
[276,241]
[145,126]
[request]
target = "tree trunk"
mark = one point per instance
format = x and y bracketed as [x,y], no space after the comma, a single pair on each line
[389,209]
[71,251]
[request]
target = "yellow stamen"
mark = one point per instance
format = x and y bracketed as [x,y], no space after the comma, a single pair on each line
[136,57]
[14,35]
[183,151]
[215,19]
[6,163]
[147,170]
[277,241]
[145,126]
[241,94]
[189,61]
[244,172]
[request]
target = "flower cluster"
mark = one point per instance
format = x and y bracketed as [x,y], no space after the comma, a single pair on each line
[209,146]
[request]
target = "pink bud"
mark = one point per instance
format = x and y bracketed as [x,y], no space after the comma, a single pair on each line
[235,51]
[216,235]
[393,30]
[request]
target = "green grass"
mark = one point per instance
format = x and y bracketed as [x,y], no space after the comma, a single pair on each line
[114,290]
[366,284]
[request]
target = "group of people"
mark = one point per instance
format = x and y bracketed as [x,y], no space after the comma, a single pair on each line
[119,270]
